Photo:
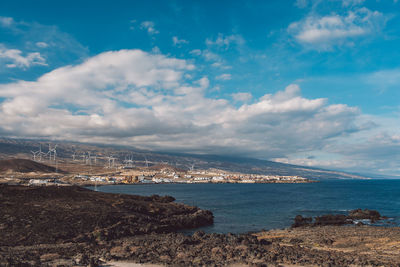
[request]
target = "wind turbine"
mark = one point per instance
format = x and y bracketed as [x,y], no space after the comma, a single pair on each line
[34,155]
[37,153]
[128,161]
[88,159]
[52,151]
[111,161]
[40,152]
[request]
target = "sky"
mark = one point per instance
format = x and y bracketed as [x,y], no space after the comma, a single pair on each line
[306,82]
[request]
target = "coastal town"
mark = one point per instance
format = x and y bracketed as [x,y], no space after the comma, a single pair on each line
[52,165]
[71,173]
[167,174]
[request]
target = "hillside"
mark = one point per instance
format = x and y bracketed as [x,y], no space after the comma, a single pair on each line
[163,166]
[24,166]
[66,150]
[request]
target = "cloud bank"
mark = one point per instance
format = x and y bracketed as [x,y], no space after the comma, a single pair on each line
[145,100]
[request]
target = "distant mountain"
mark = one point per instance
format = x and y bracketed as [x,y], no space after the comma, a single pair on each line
[10,148]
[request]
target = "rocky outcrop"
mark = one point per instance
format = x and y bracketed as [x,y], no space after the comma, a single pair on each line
[36,215]
[353,217]
[301,221]
[365,214]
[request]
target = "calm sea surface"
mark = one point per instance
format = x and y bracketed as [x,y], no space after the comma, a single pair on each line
[241,208]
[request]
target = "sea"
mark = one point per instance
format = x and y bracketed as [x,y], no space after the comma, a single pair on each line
[241,208]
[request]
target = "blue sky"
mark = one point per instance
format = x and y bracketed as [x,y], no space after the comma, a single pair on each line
[305,82]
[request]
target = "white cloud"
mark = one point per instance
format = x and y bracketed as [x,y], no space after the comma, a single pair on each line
[347,3]
[149,26]
[42,44]
[6,21]
[384,79]
[325,32]
[148,101]
[301,3]
[28,40]
[225,42]
[204,82]
[242,97]
[160,109]
[210,56]
[14,58]
[225,77]
[374,149]
[195,52]
[156,50]
[215,59]
[176,41]
[221,65]
[132,24]
[314,3]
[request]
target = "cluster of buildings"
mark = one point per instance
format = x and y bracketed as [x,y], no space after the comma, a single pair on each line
[45,182]
[228,177]
[98,179]
[166,175]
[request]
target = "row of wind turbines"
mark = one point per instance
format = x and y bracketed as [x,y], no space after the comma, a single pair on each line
[39,155]
[88,158]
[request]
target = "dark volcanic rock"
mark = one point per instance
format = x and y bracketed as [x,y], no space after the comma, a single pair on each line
[332,220]
[360,214]
[338,219]
[34,215]
[301,221]
[162,199]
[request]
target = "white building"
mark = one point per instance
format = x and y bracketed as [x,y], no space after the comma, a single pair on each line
[38,181]
[218,179]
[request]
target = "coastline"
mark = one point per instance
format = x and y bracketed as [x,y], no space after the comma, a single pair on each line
[152,242]
[274,182]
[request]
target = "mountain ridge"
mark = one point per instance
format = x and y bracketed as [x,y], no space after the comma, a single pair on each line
[10,147]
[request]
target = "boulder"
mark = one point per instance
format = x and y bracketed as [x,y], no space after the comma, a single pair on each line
[301,221]
[360,214]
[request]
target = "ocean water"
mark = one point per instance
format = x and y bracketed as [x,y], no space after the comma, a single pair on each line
[240,208]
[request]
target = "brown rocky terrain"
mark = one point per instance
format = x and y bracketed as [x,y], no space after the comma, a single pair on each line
[319,246]
[72,226]
[341,245]
[33,216]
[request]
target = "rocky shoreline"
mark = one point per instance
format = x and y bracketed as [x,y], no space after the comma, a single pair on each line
[354,217]
[72,226]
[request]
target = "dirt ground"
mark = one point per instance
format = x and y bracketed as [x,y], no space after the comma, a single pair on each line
[376,243]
